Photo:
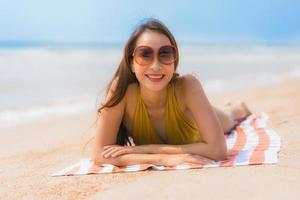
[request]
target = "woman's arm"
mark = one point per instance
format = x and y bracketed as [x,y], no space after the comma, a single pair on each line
[213,145]
[201,149]
[157,159]
[108,124]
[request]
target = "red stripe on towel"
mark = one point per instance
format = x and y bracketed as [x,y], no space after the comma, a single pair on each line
[237,147]
[258,155]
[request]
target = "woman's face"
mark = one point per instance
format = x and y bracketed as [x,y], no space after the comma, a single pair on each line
[154,76]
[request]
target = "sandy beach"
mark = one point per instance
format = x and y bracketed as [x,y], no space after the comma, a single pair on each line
[31,152]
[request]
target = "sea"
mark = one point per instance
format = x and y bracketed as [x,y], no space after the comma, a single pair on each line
[41,82]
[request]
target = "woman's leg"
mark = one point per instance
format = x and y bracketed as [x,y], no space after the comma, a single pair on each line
[232,114]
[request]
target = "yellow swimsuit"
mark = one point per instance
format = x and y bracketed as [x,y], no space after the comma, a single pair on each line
[178,128]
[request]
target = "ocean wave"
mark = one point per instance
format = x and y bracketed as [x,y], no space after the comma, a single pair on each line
[247,81]
[33,77]
[55,108]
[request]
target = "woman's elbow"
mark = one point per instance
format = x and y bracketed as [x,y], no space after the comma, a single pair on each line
[221,154]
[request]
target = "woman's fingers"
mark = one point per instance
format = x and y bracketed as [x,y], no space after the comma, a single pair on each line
[107,151]
[114,152]
[110,146]
[119,152]
[111,152]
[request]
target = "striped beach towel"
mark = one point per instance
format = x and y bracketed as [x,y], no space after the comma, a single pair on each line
[252,142]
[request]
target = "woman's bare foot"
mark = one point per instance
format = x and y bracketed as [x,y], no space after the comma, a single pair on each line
[239,110]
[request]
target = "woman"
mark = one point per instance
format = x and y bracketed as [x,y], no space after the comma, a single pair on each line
[168,116]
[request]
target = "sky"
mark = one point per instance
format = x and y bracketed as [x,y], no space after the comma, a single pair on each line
[205,21]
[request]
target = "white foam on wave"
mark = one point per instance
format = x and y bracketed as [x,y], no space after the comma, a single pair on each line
[295,73]
[247,81]
[55,108]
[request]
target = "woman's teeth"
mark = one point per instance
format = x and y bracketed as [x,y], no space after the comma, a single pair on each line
[155,77]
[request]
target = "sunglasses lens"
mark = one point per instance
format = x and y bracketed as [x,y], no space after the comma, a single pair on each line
[143,55]
[167,54]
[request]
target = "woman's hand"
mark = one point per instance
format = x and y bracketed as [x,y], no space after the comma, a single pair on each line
[176,159]
[117,150]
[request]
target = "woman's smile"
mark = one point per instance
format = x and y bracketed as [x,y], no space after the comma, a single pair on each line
[155,77]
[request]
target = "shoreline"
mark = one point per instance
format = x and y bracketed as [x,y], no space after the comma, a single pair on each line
[27,162]
[51,109]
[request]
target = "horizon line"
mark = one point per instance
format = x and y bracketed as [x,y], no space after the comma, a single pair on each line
[116,44]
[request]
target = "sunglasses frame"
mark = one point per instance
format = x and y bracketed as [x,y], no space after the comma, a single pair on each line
[157,54]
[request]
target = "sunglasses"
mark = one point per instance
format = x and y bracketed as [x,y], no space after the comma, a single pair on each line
[144,55]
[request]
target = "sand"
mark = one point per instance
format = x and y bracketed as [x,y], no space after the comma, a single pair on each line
[31,152]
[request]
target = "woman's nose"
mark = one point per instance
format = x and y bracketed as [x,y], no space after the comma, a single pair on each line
[156,65]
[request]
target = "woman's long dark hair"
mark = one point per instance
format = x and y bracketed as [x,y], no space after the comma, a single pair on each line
[124,76]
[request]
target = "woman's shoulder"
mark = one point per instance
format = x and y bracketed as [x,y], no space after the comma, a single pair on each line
[187,84]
